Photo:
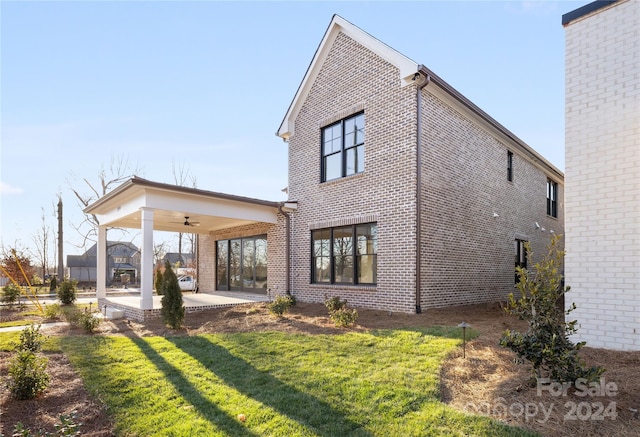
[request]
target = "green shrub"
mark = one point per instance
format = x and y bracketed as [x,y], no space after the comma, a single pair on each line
[31,339]
[83,319]
[10,294]
[334,304]
[52,311]
[172,307]
[67,291]
[546,344]
[67,427]
[281,305]
[53,284]
[339,313]
[159,283]
[27,375]
[344,317]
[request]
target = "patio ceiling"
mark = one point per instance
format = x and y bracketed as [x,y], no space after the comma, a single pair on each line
[207,211]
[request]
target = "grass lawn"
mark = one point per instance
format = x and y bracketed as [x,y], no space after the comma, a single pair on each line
[382,383]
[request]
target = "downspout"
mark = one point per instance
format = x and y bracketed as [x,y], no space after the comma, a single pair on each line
[288,250]
[425,81]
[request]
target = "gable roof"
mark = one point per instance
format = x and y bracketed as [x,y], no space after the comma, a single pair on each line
[408,71]
[406,66]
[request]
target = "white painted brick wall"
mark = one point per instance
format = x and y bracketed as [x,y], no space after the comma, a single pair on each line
[603,174]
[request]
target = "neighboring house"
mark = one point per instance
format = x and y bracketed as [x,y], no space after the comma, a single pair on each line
[123,258]
[603,171]
[403,194]
[176,259]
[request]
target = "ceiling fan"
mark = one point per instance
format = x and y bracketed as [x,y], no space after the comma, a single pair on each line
[188,223]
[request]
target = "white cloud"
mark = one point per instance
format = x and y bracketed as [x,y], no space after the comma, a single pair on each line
[6,189]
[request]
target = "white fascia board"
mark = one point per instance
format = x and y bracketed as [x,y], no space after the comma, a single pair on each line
[406,66]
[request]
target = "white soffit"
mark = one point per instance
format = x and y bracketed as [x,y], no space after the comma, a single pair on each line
[338,25]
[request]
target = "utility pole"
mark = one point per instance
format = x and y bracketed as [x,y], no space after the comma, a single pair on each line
[60,240]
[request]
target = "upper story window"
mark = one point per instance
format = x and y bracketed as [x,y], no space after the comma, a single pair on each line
[510,166]
[343,148]
[345,255]
[552,198]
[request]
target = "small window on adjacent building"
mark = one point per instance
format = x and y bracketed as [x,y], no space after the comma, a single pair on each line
[552,198]
[510,166]
[345,255]
[343,148]
[521,256]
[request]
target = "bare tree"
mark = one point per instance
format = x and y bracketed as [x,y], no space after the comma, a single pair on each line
[159,251]
[41,241]
[182,178]
[88,191]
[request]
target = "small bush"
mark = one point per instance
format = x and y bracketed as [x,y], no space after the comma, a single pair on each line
[67,427]
[53,284]
[281,305]
[10,294]
[31,339]
[28,375]
[67,291]
[83,319]
[172,308]
[159,283]
[546,344]
[334,304]
[339,313]
[344,317]
[52,311]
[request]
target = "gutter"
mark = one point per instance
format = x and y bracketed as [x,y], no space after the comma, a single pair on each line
[425,80]
[287,216]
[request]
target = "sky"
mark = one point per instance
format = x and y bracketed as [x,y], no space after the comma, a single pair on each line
[203,86]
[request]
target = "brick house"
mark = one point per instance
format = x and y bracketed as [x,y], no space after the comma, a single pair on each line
[603,171]
[403,194]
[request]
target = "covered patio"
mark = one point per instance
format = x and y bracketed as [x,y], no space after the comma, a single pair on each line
[152,206]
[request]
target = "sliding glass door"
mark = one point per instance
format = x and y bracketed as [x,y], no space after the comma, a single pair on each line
[241,264]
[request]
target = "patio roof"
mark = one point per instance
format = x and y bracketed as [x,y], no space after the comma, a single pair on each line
[207,211]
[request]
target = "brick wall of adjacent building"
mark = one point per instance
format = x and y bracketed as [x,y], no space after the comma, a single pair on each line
[467,253]
[603,174]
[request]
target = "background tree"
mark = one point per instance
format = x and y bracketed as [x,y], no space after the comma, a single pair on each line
[182,178]
[87,191]
[41,240]
[172,308]
[16,264]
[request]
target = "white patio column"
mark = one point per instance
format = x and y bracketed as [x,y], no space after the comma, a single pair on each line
[101,266]
[146,263]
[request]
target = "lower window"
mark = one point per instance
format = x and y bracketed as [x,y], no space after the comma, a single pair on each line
[521,256]
[241,264]
[345,255]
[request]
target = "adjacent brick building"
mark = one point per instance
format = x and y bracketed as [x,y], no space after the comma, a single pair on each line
[603,171]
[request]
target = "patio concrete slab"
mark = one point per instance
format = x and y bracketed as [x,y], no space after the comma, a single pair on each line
[192,301]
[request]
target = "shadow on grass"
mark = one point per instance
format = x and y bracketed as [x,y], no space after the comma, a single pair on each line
[209,410]
[261,386]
